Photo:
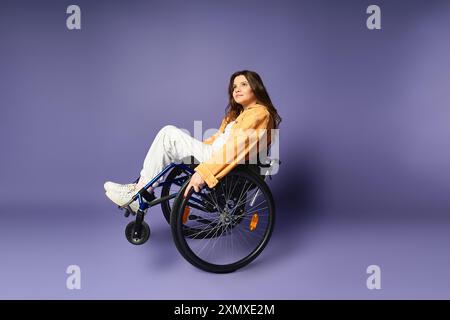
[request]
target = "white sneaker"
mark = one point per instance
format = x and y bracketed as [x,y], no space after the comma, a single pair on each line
[122,188]
[120,198]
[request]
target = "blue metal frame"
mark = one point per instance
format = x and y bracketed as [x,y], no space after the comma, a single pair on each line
[142,204]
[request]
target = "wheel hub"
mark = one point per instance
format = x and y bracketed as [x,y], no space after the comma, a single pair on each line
[225,218]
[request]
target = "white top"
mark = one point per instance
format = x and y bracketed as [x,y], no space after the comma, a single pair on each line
[221,139]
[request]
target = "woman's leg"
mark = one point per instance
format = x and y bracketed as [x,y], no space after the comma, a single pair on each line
[171,144]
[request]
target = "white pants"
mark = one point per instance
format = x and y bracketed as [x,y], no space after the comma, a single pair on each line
[170,145]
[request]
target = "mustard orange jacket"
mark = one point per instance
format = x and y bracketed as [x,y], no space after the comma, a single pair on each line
[254,119]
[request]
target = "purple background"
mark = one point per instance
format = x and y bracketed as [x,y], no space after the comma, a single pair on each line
[364,143]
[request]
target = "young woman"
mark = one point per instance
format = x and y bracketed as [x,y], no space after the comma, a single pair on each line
[249,110]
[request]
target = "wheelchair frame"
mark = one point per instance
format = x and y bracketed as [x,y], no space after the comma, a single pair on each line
[138,231]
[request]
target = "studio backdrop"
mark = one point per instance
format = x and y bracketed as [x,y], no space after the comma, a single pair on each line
[362,89]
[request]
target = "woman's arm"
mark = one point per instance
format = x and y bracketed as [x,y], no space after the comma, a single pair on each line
[196,180]
[256,120]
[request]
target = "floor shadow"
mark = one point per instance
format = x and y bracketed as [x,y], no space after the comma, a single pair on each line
[297,204]
[162,251]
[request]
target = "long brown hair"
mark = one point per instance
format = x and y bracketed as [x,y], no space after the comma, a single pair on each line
[233,109]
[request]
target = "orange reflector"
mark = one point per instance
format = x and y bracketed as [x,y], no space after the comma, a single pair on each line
[186,214]
[254,222]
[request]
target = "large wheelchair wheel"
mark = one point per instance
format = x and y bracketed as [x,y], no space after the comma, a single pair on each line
[225,228]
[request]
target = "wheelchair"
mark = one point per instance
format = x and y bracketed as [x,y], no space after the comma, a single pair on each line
[220,229]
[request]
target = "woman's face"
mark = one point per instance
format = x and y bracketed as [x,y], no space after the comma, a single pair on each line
[242,92]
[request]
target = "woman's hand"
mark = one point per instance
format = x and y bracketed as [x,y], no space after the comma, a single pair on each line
[197,182]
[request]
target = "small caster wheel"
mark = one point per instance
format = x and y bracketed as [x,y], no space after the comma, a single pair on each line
[132,236]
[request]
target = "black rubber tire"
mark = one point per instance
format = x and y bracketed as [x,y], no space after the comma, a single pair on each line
[179,234]
[145,233]
[165,190]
